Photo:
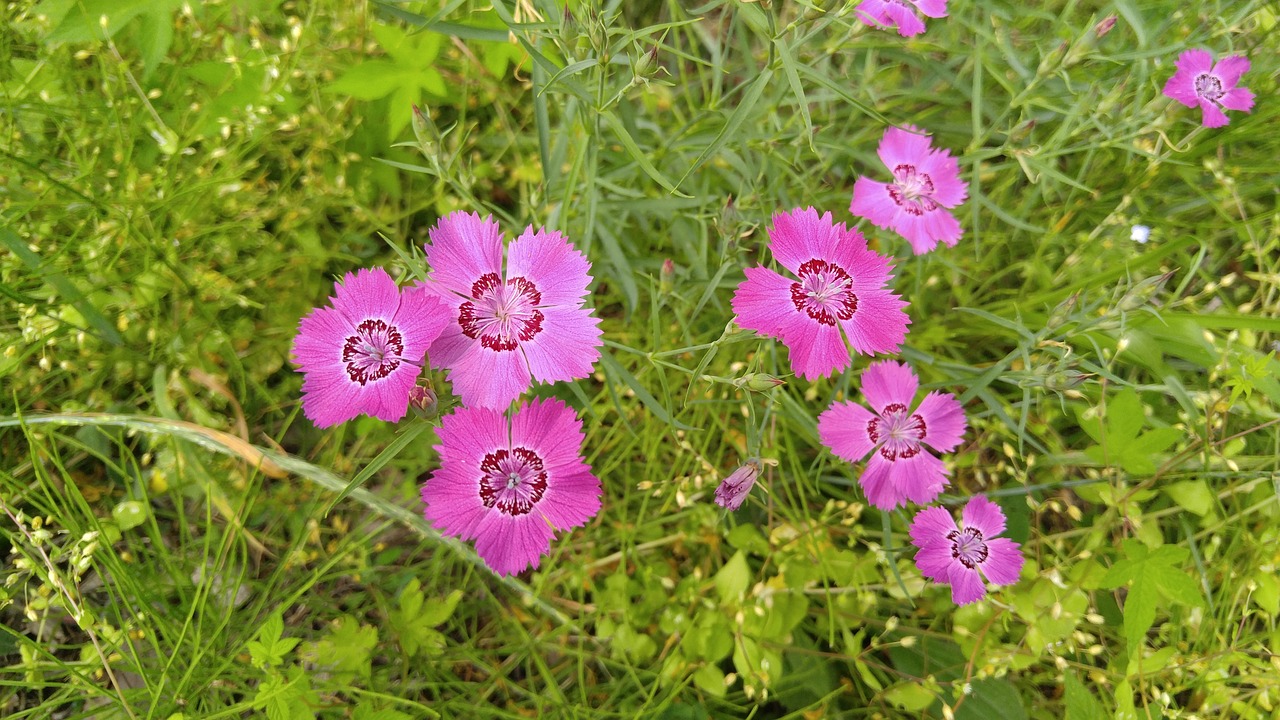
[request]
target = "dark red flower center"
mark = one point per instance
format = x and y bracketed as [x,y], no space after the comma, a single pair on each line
[912,190]
[1209,87]
[501,315]
[899,431]
[513,481]
[968,546]
[824,292]
[373,351]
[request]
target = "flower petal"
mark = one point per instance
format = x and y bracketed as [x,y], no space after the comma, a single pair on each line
[420,318]
[462,249]
[932,8]
[1004,561]
[984,516]
[1182,88]
[568,346]
[488,378]
[879,325]
[1195,62]
[552,264]
[762,302]
[509,544]
[908,145]
[1229,69]
[368,293]
[888,383]
[935,561]
[843,429]
[966,585]
[871,200]
[801,235]
[943,419]
[930,527]
[1238,99]
[909,24]
[919,478]
[817,350]
[1212,115]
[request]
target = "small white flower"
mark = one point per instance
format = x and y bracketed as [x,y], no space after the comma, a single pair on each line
[1139,234]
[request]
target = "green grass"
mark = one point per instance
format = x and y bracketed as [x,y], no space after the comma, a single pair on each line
[177,195]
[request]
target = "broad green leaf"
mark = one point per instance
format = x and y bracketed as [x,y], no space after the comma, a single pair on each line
[710,680]
[733,578]
[909,696]
[1192,495]
[369,80]
[1081,704]
[1151,575]
[992,699]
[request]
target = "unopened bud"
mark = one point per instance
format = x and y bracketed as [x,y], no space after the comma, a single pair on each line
[1142,292]
[646,64]
[758,382]
[424,402]
[1102,28]
[667,277]
[735,488]
[426,133]
[1062,313]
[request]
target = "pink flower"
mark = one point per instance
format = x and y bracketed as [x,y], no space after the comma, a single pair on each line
[900,468]
[510,484]
[735,488]
[363,354]
[961,556]
[1199,82]
[926,182]
[509,327]
[888,13]
[838,300]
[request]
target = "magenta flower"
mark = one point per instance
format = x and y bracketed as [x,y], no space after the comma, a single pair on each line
[512,326]
[888,13]
[1199,82]
[363,354]
[735,488]
[961,556]
[837,300]
[510,484]
[926,183]
[896,435]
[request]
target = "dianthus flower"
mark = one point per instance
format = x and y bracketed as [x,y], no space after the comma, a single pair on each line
[961,556]
[896,434]
[1198,82]
[926,183]
[888,13]
[511,484]
[509,326]
[363,353]
[836,300]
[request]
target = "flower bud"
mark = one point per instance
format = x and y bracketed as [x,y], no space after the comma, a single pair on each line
[735,488]
[1062,313]
[426,133]
[758,382]
[1142,292]
[645,65]
[424,402]
[667,277]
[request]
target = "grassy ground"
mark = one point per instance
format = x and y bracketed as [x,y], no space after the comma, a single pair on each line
[185,182]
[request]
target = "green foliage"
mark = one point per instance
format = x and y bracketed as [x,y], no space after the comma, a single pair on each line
[1116,430]
[414,622]
[183,183]
[1154,577]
